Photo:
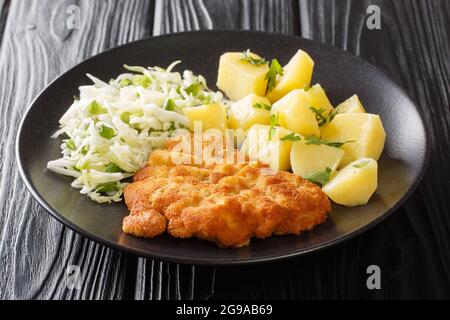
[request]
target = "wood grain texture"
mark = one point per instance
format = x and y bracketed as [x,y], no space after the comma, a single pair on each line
[37,46]
[412,247]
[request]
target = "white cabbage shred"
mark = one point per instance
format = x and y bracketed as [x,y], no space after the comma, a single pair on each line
[112,127]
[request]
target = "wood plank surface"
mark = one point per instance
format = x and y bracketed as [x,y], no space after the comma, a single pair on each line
[412,247]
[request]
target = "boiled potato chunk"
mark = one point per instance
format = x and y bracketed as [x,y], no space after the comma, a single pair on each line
[294,113]
[297,75]
[318,99]
[249,111]
[307,160]
[365,129]
[354,184]
[351,105]
[238,78]
[273,151]
[212,116]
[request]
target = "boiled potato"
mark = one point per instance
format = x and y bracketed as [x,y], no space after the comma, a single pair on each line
[212,116]
[294,113]
[274,151]
[354,184]
[249,111]
[307,160]
[238,78]
[318,99]
[351,105]
[365,129]
[297,75]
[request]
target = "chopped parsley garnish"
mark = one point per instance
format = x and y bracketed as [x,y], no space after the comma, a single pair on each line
[84,150]
[262,106]
[291,137]
[125,82]
[107,132]
[141,80]
[319,178]
[194,89]
[254,61]
[172,126]
[271,75]
[107,187]
[333,114]
[273,122]
[361,164]
[170,105]
[95,108]
[316,141]
[70,144]
[125,117]
[320,117]
[112,167]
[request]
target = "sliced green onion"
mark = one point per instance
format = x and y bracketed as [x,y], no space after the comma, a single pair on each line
[107,132]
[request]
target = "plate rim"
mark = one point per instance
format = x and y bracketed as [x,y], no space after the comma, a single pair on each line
[205,261]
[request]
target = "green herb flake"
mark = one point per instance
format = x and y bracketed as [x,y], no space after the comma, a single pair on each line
[273,122]
[76,98]
[170,105]
[112,167]
[271,75]
[320,117]
[172,126]
[70,144]
[319,178]
[107,187]
[84,150]
[291,137]
[361,164]
[107,132]
[141,80]
[95,108]
[332,114]
[252,60]
[194,89]
[316,141]
[125,82]
[125,117]
[262,106]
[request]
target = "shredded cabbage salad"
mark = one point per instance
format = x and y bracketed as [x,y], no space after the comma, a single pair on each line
[111,128]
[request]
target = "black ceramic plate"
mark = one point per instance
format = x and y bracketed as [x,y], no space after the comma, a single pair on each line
[400,168]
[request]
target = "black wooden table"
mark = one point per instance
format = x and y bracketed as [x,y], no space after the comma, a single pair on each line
[42,39]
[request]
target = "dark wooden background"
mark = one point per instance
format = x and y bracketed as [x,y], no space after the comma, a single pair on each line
[412,247]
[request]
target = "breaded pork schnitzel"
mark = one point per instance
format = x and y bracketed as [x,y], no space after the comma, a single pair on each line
[224,203]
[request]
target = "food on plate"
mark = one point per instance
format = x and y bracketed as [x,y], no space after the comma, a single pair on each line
[224,203]
[363,131]
[111,128]
[354,184]
[295,113]
[310,160]
[211,116]
[287,150]
[248,111]
[296,74]
[268,144]
[242,73]
[351,105]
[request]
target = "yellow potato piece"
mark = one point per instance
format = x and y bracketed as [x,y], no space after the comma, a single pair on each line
[354,184]
[294,113]
[297,75]
[307,160]
[274,152]
[245,112]
[351,105]
[365,129]
[318,99]
[212,116]
[238,78]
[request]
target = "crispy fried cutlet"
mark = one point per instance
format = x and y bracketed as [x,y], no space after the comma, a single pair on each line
[224,203]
